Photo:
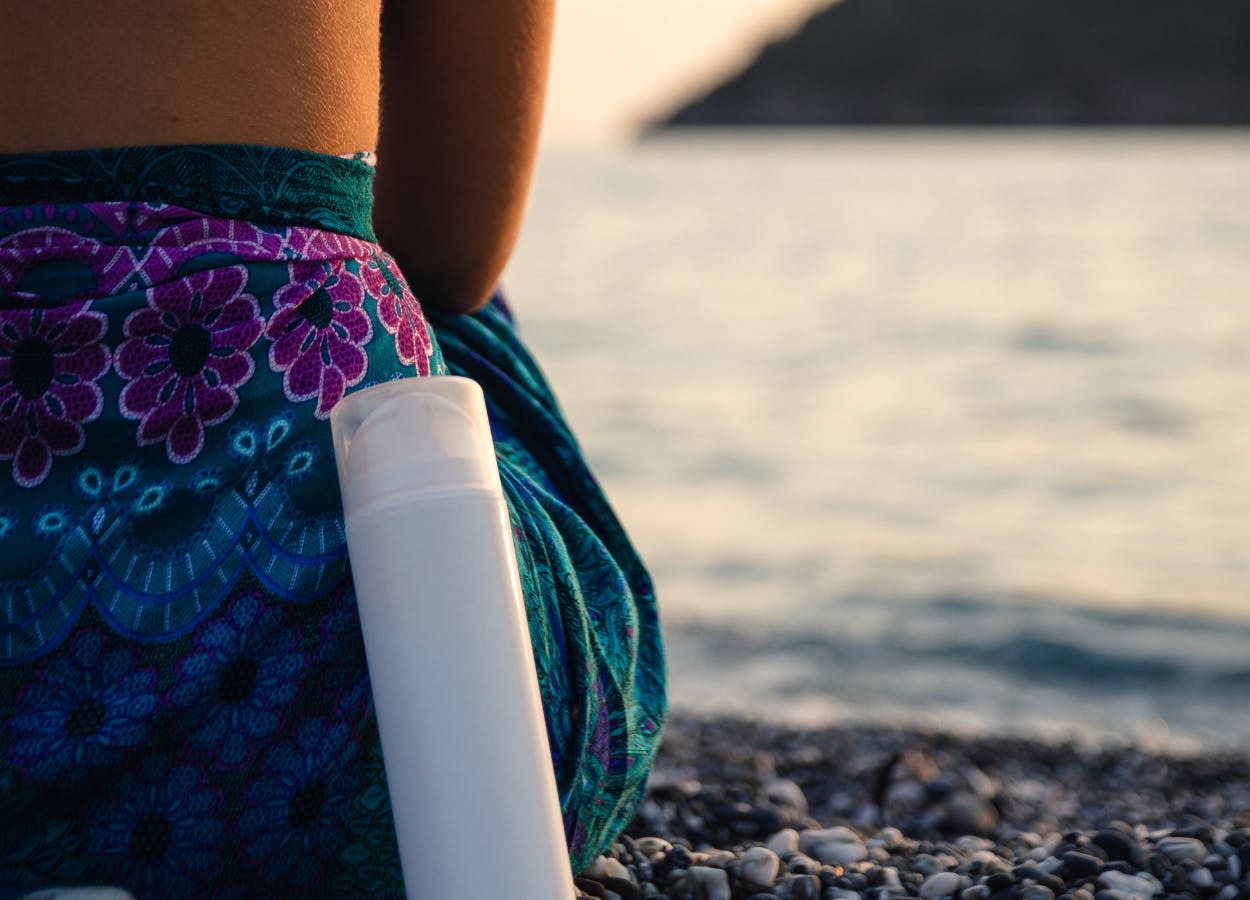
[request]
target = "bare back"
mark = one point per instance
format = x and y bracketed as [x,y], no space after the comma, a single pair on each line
[107,73]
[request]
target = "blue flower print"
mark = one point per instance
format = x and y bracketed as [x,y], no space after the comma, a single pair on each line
[341,654]
[296,811]
[82,711]
[160,830]
[243,673]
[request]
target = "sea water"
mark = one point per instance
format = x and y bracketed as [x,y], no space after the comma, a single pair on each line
[945,428]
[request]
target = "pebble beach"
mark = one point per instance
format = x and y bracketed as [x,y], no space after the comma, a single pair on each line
[740,810]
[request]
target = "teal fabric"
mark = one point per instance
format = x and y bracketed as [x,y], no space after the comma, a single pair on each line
[239,181]
[185,705]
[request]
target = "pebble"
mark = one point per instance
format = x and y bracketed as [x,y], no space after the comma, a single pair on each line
[1073,823]
[1114,844]
[607,867]
[839,854]
[1179,849]
[837,835]
[784,841]
[1036,892]
[760,866]
[784,792]
[801,887]
[1081,865]
[941,884]
[652,845]
[1201,877]
[1133,885]
[709,883]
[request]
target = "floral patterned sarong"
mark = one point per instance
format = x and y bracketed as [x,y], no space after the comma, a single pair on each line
[185,706]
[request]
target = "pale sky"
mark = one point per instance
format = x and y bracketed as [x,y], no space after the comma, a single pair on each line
[617,63]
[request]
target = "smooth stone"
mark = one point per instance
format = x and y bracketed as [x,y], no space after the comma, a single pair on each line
[970,843]
[614,868]
[650,846]
[1230,891]
[709,883]
[1036,892]
[976,892]
[941,884]
[784,841]
[1115,844]
[990,862]
[626,890]
[1201,878]
[839,834]
[1129,884]
[969,814]
[840,854]
[890,837]
[760,866]
[679,858]
[718,859]
[784,792]
[605,867]
[1179,849]
[586,887]
[889,877]
[802,887]
[801,864]
[1081,865]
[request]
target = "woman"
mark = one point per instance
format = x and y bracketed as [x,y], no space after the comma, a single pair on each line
[185,705]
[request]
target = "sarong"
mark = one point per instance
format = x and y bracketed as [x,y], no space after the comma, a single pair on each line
[184,702]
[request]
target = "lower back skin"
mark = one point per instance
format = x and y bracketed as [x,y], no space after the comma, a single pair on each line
[110,73]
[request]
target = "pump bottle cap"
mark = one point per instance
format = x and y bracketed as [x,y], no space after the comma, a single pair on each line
[412,436]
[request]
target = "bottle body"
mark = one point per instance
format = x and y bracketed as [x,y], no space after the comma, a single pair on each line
[456,693]
[464,739]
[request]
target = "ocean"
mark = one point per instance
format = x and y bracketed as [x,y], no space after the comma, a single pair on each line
[940,428]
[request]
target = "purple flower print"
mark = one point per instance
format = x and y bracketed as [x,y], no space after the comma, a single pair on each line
[244,672]
[82,711]
[318,332]
[188,235]
[318,245]
[185,356]
[50,261]
[399,312]
[50,360]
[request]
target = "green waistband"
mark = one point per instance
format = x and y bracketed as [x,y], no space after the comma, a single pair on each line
[259,184]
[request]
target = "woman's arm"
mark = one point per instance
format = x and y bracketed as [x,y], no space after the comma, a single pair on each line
[463,83]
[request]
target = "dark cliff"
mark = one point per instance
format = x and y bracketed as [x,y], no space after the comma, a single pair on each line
[997,62]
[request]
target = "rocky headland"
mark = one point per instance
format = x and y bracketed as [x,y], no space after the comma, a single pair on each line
[996,62]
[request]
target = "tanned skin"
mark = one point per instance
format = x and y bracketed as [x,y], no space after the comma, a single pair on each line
[460,113]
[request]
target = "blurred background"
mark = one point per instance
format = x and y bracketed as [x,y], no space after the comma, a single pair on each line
[911,340]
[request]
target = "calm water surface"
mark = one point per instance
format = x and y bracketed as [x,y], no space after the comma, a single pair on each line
[950,428]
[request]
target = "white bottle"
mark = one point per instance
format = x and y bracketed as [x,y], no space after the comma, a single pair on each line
[463,736]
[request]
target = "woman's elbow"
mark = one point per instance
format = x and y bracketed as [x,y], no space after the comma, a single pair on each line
[452,290]
[460,278]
